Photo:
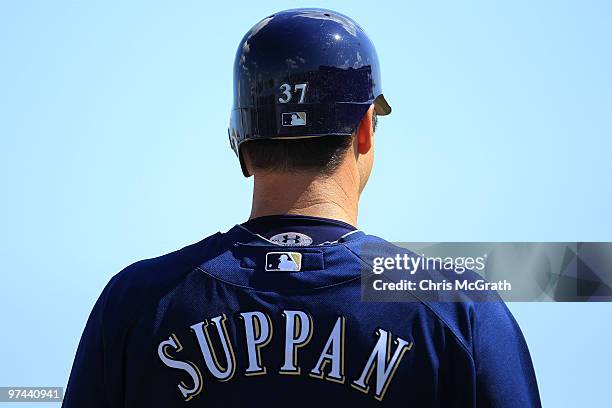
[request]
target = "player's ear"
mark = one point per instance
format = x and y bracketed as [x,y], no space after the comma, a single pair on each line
[365,132]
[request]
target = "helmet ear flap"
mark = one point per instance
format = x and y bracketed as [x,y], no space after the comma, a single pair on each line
[381,105]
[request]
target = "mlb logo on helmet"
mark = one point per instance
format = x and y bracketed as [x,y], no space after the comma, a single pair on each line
[283,261]
[294,119]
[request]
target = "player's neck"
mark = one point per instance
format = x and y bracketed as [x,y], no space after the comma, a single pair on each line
[333,197]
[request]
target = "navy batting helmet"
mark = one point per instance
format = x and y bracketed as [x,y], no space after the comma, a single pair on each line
[303,73]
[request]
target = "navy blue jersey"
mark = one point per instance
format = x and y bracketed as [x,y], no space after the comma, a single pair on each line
[239,319]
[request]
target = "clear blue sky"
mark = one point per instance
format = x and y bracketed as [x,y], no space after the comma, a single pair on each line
[114,148]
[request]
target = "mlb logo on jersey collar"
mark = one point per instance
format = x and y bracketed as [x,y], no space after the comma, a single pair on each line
[278,259]
[283,261]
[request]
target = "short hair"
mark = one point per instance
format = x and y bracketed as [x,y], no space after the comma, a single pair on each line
[322,155]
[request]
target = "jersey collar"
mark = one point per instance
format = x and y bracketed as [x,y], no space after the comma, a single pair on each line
[243,257]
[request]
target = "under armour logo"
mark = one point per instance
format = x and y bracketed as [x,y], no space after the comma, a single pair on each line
[291,239]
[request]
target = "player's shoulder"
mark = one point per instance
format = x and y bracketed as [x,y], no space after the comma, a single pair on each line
[163,270]
[458,309]
[145,282]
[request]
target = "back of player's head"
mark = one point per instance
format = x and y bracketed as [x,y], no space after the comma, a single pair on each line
[303,81]
[321,155]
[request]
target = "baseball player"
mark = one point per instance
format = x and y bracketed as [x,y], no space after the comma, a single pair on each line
[270,313]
